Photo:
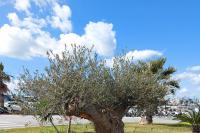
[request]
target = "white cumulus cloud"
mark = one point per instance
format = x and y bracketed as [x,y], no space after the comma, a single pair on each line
[194,68]
[23,5]
[190,80]
[61,18]
[15,42]
[43,3]
[193,77]
[26,38]
[102,36]
[30,23]
[97,34]
[142,54]
[137,55]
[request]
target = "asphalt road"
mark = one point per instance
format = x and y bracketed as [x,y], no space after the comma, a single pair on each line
[20,121]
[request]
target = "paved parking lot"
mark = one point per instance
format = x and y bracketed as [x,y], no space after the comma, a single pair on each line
[20,121]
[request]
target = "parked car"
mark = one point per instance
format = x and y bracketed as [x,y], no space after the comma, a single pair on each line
[12,106]
[3,110]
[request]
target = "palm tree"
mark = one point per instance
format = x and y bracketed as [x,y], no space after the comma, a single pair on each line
[3,87]
[192,117]
[164,77]
[164,74]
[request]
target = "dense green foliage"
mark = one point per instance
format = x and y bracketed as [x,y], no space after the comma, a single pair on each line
[79,83]
[192,117]
[154,94]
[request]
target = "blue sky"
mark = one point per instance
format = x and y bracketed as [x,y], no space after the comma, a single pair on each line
[143,28]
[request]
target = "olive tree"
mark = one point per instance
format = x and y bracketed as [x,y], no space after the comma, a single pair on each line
[79,83]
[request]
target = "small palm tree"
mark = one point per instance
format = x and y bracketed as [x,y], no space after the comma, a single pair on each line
[3,87]
[192,117]
[164,77]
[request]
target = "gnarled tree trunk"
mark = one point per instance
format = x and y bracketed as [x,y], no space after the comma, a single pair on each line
[105,121]
[109,125]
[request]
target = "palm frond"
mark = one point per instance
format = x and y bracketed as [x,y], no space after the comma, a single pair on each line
[168,71]
[156,65]
[192,116]
[173,83]
[185,118]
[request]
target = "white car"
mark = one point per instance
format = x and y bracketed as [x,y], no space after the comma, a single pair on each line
[12,106]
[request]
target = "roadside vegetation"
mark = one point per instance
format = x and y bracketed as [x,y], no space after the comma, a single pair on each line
[129,128]
[192,117]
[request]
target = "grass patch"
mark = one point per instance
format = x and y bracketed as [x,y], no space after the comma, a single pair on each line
[129,128]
